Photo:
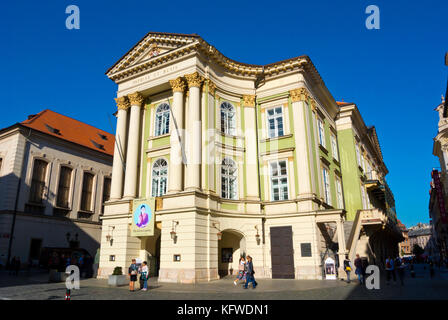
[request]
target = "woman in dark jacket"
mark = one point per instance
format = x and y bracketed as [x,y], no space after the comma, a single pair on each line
[250,273]
[133,271]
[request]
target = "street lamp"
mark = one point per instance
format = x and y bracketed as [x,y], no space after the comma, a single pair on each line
[173,232]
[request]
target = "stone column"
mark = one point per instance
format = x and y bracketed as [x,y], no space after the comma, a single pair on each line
[342,249]
[130,181]
[251,147]
[116,191]
[301,136]
[194,130]
[175,172]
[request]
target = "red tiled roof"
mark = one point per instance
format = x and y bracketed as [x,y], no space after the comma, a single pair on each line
[342,103]
[66,128]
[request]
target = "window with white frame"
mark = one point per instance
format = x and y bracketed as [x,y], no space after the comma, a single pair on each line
[162,125]
[334,147]
[159,177]
[228,119]
[229,179]
[364,197]
[339,196]
[279,180]
[321,128]
[326,183]
[358,154]
[275,122]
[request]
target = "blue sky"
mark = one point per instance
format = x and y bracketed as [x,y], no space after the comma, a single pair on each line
[396,75]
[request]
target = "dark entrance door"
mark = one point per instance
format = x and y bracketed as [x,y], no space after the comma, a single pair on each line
[282,253]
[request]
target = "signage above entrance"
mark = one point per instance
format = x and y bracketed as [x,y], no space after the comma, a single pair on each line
[143,217]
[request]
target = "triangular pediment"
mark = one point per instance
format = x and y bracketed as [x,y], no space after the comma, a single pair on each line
[152,46]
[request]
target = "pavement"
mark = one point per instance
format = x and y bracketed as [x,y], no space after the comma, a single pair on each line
[34,285]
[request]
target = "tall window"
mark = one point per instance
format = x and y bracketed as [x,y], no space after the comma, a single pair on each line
[162,119]
[106,191]
[275,122]
[229,179]
[87,192]
[228,118]
[327,191]
[279,180]
[64,187]
[358,154]
[321,128]
[159,178]
[364,198]
[339,193]
[334,147]
[38,181]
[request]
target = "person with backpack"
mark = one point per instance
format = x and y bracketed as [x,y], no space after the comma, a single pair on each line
[347,267]
[390,270]
[133,271]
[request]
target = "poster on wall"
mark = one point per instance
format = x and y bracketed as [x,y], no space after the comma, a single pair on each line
[330,269]
[143,217]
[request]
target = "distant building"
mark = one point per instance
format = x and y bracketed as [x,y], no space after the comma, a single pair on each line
[55,174]
[421,234]
[405,245]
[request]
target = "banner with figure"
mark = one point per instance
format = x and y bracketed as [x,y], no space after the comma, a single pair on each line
[143,217]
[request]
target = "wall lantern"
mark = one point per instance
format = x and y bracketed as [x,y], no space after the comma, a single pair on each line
[257,236]
[219,234]
[109,236]
[173,231]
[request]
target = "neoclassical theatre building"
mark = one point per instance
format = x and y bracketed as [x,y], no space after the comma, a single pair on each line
[231,158]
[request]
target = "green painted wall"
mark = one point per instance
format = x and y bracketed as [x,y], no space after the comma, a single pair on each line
[350,173]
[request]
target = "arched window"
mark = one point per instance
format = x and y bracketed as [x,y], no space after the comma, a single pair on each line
[227,118]
[159,177]
[162,125]
[229,179]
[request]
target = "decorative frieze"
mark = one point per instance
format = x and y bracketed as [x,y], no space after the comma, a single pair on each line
[136,99]
[178,85]
[194,79]
[249,100]
[122,103]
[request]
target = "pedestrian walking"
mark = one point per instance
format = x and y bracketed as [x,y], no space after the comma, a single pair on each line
[399,266]
[145,275]
[250,273]
[133,271]
[358,269]
[390,270]
[347,267]
[241,271]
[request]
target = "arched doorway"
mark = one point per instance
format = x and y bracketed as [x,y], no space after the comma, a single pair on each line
[230,248]
[151,246]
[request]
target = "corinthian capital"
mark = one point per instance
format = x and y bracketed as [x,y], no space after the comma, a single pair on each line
[178,85]
[136,99]
[299,94]
[194,79]
[211,87]
[249,100]
[122,103]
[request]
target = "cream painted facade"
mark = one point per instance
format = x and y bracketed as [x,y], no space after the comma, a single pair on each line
[277,138]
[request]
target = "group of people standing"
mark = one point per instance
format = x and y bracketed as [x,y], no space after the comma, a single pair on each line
[246,272]
[392,266]
[134,271]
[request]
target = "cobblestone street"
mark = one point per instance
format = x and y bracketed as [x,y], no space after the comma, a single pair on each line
[35,286]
